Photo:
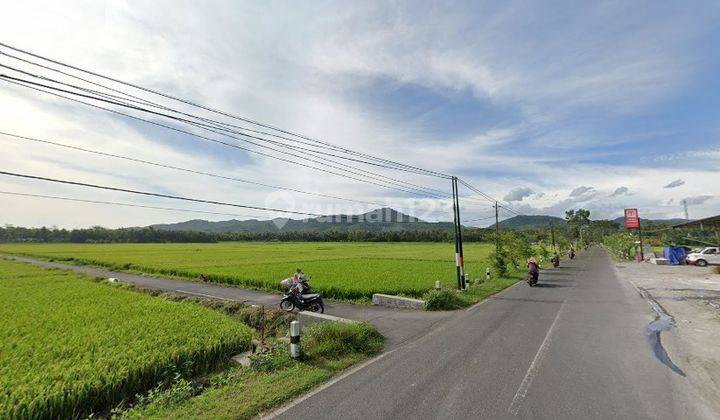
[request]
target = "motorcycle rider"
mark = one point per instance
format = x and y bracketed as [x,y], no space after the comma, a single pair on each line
[533,270]
[300,282]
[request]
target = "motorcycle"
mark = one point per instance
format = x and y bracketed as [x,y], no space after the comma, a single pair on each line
[300,296]
[556,261]
[532,278]
[533,274]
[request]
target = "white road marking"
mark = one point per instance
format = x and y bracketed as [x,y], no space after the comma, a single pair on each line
[534,366]
[326,385]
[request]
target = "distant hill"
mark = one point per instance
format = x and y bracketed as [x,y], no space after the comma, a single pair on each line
[384,219]
[530,222]
[668,222]
[379,220]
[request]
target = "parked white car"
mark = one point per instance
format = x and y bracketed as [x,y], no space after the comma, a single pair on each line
[705,256]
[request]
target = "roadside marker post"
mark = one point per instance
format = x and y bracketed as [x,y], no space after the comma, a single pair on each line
[437,284]
[487,274]
[295,339]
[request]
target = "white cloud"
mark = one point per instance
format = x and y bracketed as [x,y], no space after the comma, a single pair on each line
[698,199]
[675,184]
[255,59]
[518,194]
[620,191]
[576,192]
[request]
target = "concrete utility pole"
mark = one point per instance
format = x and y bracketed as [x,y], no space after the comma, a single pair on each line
[497,231]
[459,262]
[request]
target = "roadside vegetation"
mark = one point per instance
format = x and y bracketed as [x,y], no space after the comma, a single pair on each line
[272,378]
[74,347]
[620,245]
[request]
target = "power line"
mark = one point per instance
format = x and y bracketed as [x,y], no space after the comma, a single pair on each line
[213,125]
[212,139]
[489,198]
[216,111]
[205,122]
[162,165]
[153,194]
[377,177]
[53,197]
[479,219]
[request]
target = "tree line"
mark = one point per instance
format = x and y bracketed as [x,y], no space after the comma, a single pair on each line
[99,234]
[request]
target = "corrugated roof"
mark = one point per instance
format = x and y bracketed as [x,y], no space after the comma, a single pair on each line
[713,221]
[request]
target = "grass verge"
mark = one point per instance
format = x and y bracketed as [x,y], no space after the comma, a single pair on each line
[449,299]
[272,378]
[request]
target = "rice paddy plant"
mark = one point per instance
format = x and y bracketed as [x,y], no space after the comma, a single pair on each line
[71,346]
[352,271]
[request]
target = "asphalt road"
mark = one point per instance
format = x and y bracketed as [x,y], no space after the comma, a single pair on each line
[575,347]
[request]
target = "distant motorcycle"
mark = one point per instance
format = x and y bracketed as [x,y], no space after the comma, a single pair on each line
[299,297]
[555,261]
[533,273]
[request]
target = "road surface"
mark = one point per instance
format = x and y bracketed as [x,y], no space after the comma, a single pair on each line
[574,348]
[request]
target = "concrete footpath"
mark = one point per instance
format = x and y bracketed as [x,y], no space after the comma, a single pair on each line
[397,325]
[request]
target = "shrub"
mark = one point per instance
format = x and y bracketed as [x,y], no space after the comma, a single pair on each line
[622,245]
[274,358]
[443,300]
[499,264]
[334,340]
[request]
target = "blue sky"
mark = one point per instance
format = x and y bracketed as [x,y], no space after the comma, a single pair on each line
[528,101]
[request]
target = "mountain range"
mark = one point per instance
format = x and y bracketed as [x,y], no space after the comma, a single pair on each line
[383,219]
[378,220]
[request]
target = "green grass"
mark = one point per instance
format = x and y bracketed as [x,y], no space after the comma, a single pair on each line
[71,346]
[449,299]
[352,271]
[241,393]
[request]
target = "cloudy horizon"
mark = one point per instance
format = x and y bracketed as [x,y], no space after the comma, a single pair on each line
[548,107]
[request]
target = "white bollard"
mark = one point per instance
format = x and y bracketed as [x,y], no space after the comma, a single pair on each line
[437,284]
[295,339]
[487,273]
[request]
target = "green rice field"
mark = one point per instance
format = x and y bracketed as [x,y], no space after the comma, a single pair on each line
[71,346]
[339,270]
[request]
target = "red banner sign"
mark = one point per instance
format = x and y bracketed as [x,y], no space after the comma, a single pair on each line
[632,219]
